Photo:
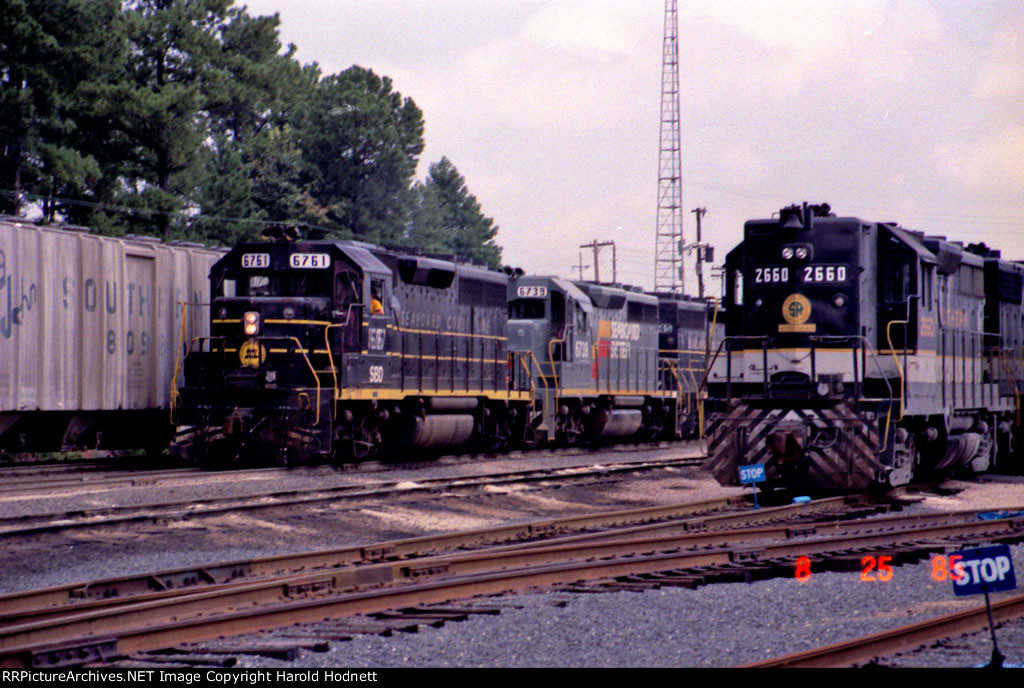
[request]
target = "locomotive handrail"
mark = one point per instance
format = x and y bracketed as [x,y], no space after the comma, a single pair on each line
[175,395]
[551,360]
[177,364]
[899,369]
[673,368]
[330,359]
[711,330]
[522,355]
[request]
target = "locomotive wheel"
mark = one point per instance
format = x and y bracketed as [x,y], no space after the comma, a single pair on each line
[570,427]
[531,436]
[654,424]
[365,442]
[358,439]
[497,429]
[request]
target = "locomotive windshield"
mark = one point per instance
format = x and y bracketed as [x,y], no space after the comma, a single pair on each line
[526,309]
[292,283]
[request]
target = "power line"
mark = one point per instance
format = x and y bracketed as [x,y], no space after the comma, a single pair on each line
[144,211]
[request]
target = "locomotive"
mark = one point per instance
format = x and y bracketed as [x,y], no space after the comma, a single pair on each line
[344,350]
[338,349]
[859,353]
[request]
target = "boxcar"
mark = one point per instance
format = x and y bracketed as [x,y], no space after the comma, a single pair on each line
[88,332]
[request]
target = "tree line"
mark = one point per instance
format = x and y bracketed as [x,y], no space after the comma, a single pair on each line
[188,119]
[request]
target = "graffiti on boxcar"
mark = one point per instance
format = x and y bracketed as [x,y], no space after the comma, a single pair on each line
[16,299]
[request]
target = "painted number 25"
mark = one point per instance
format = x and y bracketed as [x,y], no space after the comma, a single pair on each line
[879,564]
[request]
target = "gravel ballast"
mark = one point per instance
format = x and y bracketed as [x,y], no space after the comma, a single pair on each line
[718,625]
[715,625]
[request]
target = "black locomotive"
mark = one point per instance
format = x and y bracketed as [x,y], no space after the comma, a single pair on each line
[345,350]
[860,352]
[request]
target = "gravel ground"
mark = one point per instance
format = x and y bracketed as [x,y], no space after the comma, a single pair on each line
[83,555]
[719,625]
[223,484]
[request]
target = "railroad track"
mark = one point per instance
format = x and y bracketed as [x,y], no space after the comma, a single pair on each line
[868,648]
[193,508]
[78,476]
[688,552]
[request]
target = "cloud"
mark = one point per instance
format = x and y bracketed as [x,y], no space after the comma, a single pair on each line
[989,168]
[1002,75]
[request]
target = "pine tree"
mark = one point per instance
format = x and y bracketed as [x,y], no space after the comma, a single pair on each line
[448,218]
[52,53]
[361,142]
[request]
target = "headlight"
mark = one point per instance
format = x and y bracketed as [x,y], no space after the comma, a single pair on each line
[288,313]
[839,300]
[787,253]
[251,323]
[801,252]
[223,313]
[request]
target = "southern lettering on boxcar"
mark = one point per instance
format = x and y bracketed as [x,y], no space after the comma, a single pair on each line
[88,327]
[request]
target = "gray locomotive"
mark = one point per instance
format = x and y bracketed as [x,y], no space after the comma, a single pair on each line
[859,353]
[607,361]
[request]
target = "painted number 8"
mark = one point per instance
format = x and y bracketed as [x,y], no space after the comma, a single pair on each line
[803,569]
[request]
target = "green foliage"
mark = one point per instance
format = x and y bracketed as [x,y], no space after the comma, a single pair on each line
[361,142]
[448,219]
[188,119]
[51,53]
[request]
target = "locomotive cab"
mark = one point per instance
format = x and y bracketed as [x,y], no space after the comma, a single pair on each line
[550,321]
[855,353]
[287,319]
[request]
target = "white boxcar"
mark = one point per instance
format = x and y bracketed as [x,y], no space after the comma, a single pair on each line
[89,332]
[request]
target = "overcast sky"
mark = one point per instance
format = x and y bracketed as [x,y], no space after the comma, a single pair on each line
[908,111]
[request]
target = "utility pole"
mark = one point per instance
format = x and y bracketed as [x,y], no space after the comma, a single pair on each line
[580,266]
[597,246]
[700,212]
[668,246]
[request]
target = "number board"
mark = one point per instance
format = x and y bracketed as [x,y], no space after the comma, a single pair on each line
[754,473]
[309,261]
[255,260]
[983,569]
[531,292]
[824,274]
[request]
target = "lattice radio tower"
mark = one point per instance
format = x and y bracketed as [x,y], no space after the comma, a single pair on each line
[668,254]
